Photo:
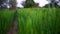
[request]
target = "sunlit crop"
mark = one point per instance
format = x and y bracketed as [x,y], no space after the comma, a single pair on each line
[6,20]
[39,21]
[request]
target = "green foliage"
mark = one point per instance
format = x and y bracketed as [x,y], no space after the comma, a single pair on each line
[6,20]
[29,4]
[39,21]
[13,4]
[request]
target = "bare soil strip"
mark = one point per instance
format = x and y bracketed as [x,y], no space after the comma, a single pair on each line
[13,28]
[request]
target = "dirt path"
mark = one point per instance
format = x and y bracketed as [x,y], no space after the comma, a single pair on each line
[13,29]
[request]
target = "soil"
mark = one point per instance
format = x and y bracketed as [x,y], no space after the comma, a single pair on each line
[13,28]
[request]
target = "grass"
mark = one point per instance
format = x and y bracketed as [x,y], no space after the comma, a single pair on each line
[38,21]
[32,20]
[6,20]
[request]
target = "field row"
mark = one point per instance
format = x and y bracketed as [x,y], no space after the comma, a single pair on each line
[39,21]
[6,20]
[32,21]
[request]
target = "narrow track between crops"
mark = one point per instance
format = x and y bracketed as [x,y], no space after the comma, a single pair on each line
[13,28]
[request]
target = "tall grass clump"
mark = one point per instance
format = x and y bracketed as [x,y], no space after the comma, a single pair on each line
[39,21]
[6,20]
[58,21]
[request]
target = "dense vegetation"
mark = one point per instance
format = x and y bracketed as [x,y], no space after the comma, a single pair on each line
[29,4]
[32,20]
[6,20]
[39,21]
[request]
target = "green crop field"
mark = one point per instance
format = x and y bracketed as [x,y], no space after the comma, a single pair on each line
[31,20]
[39,21]
[6,20]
